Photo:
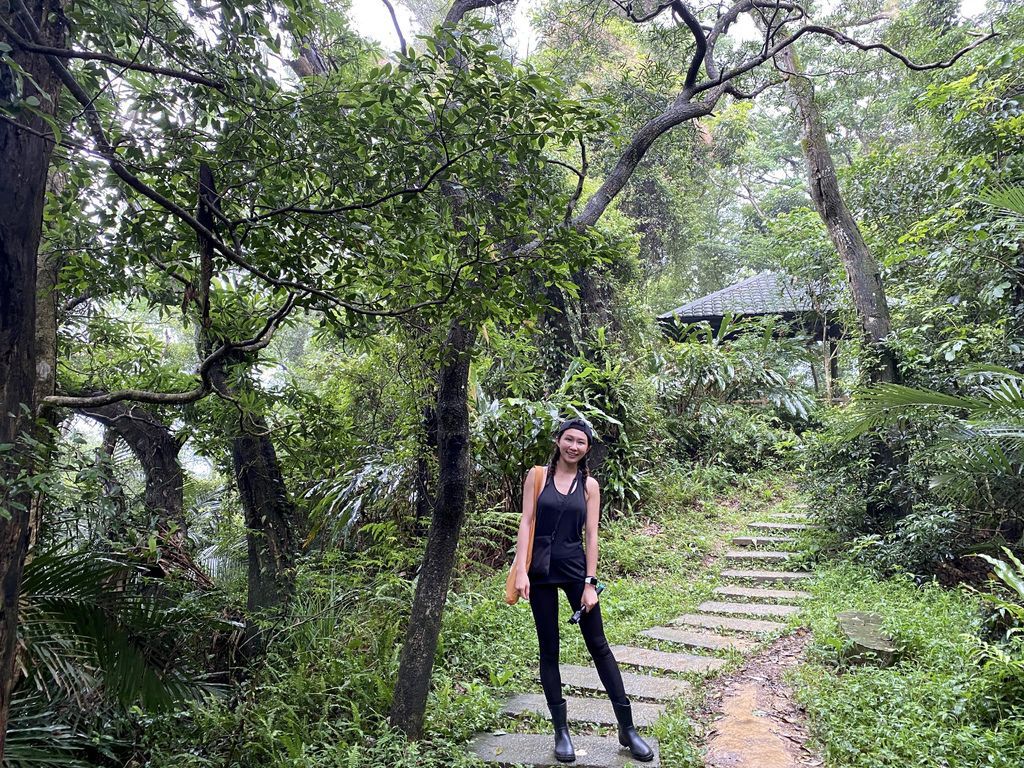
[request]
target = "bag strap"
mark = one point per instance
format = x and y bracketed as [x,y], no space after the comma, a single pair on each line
[539,473]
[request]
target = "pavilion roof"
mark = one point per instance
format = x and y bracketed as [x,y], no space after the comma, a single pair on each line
[767,293]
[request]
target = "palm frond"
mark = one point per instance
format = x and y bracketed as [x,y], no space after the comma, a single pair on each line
[89,628]
[1007,199]
[38,736]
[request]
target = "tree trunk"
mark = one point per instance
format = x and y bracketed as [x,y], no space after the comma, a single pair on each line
[269,520]
[157,451]
[861,269]
[877,360]
[417,660]
[24,160]
[559,342]
[47,276]
[270,515]
[426,444]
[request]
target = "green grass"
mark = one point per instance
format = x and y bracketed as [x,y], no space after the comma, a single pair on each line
[927,710]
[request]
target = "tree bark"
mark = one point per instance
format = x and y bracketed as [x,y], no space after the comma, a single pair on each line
[157,451]
[24,160]
[417,660]
[879,363]
[270,514]
[48,269]
[862,271]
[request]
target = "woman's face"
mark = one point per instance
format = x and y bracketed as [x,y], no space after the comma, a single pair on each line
[573,445]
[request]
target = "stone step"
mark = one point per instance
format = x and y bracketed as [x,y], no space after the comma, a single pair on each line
[764,555]
[665,660]
[749,609]
[584,709]
[761,541]
[778,526]
[757,593]
[637,686]
[537,750]
[765,577]
[727,622]
[700,639]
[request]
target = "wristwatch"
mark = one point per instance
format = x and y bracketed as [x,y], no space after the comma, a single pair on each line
[591,580]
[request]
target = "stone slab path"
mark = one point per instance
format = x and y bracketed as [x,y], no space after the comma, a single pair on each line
[778,526]
[750,609]
[762,541]
[756,626]
[705,640]
[637,686]
[535,749]
[762,555]
[665,661]
[584,709]
[765,576]
[711,632]
[759,593]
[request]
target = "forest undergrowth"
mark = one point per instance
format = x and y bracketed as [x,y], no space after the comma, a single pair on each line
[321,699]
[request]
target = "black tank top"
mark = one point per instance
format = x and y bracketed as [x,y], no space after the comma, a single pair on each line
[568,562]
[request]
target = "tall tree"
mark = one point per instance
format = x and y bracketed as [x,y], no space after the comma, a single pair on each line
[29,89]
[862,272]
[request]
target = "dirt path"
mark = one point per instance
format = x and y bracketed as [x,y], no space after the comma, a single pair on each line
[757,723]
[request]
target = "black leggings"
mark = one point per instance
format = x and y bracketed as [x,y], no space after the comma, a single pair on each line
[544,604]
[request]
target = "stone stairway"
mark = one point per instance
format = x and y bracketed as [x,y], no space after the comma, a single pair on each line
[740,616]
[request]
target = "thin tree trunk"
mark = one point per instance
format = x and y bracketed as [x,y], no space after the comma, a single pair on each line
[24,160]
[47,276]
[426,444]
[559,343]
[417,660]
[862,270]
[827,362]
[270,514]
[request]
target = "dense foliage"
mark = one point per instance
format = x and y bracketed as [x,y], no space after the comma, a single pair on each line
[265,235]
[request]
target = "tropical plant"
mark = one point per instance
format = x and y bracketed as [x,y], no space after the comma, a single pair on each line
[978,440]
[99,637]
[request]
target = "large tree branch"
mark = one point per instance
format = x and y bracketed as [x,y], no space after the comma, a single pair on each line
[700,39]
[727,19]
[461,7]
[67,53]
[642,140]
[627,8]
[257,342]
[402,46]
[839,37]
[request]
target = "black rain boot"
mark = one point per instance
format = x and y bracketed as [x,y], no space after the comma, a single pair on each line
[564,751]
[628,737]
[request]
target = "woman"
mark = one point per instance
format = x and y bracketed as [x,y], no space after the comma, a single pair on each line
[570,502]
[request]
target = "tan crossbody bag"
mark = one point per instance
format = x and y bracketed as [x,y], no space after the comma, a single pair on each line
[511,593]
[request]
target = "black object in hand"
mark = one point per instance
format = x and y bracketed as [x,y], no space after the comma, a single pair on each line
[575,618]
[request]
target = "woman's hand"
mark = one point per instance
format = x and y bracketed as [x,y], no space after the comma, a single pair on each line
[523,585]
[589,597]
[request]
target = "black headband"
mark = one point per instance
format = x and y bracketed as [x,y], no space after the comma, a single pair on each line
[579,424]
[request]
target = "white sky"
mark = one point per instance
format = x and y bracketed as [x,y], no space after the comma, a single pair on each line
[371,19]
